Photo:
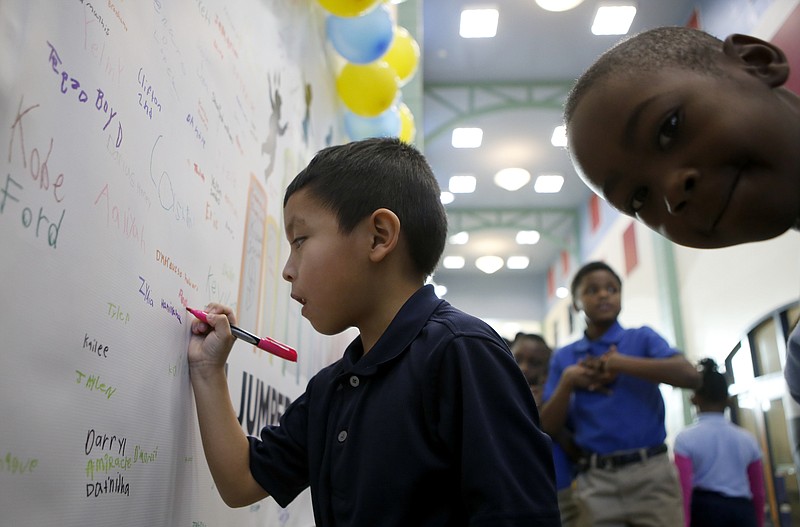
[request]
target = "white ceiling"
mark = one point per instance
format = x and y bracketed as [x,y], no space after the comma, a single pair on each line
[512,86]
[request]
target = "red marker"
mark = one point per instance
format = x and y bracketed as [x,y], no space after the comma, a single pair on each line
[267,344]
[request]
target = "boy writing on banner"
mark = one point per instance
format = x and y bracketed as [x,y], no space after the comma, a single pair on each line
[426,420]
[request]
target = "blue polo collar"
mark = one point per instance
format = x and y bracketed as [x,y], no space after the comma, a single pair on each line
[403,329]
[612,336]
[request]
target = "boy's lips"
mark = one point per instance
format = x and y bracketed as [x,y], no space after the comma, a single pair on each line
[299,299]
[728,197]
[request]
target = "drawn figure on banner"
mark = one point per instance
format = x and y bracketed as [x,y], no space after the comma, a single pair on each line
[270,146]
[307,117]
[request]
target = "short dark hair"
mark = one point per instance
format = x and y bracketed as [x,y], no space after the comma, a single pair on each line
[520,336]
[590,268]
[649,51]
[714,388]
[355,179]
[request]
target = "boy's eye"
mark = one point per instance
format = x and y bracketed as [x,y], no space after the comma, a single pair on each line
[637,200]
[669,130]
[297,242]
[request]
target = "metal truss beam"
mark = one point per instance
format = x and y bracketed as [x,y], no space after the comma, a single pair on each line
[466,101]
[557,225]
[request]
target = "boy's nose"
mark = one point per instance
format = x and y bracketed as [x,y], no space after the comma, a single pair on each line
[287,274]
[679,189]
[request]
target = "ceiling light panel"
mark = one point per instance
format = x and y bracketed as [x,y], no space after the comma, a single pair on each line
[558,5]
[512,179]
[467,137]
[518,262]
[489,264]
[548,183]
[459,238]
[528,237]
[479,23]
[462,184]
[613,18]
[559,137]
[453,262]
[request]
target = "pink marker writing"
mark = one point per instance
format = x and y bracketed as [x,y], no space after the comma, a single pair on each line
[267,344]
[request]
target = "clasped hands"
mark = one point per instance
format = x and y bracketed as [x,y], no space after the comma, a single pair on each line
[593,373]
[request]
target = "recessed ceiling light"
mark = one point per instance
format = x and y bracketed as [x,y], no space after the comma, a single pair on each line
[440,290]
[489,264]
[446,197]
[548,183]
[453,262]
[558,5]
[467,137]
[462,184]
[562,292]
[518,262]
[613,18]
[512,178]
[559,137]
[459,238]
[479,23]
[528,237]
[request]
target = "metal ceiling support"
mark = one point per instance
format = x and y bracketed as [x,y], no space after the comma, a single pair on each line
[409,16]
[467,101]
[558,225]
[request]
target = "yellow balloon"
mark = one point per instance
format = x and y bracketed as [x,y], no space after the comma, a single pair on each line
[408,130]
[348,8]
[367,89]
[403,55]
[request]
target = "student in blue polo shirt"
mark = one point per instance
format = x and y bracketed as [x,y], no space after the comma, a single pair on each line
[426,420]
[606,384]
[533,354]
[719,463]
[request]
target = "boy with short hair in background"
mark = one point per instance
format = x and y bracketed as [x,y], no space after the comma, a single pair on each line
[606,385]
[426,420]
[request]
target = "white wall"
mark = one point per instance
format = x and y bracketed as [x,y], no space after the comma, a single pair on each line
[723,292]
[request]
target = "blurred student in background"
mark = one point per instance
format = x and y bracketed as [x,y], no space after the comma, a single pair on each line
[719,463]
[533,356]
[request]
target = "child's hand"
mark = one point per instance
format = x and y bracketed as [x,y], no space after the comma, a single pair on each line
[585,376]
[211,342]
[603,374]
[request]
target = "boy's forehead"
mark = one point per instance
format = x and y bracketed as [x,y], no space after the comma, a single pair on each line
[294,211]
[598,276]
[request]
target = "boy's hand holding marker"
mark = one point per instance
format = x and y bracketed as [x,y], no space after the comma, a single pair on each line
[222,327]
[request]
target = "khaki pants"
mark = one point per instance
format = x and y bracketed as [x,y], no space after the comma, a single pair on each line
[642,494]
[569,510]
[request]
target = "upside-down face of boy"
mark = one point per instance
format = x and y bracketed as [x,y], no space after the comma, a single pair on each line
[706,158]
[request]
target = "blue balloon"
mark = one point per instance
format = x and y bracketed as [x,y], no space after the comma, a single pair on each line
[387,124]
[362,39]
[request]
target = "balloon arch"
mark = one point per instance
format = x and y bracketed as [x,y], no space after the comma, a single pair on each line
[380,58]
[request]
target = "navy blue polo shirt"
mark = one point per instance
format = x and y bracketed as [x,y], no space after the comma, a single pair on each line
[632,415]
[435,426]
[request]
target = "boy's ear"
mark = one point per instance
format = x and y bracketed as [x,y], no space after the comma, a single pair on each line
[759,58]
[385,231]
